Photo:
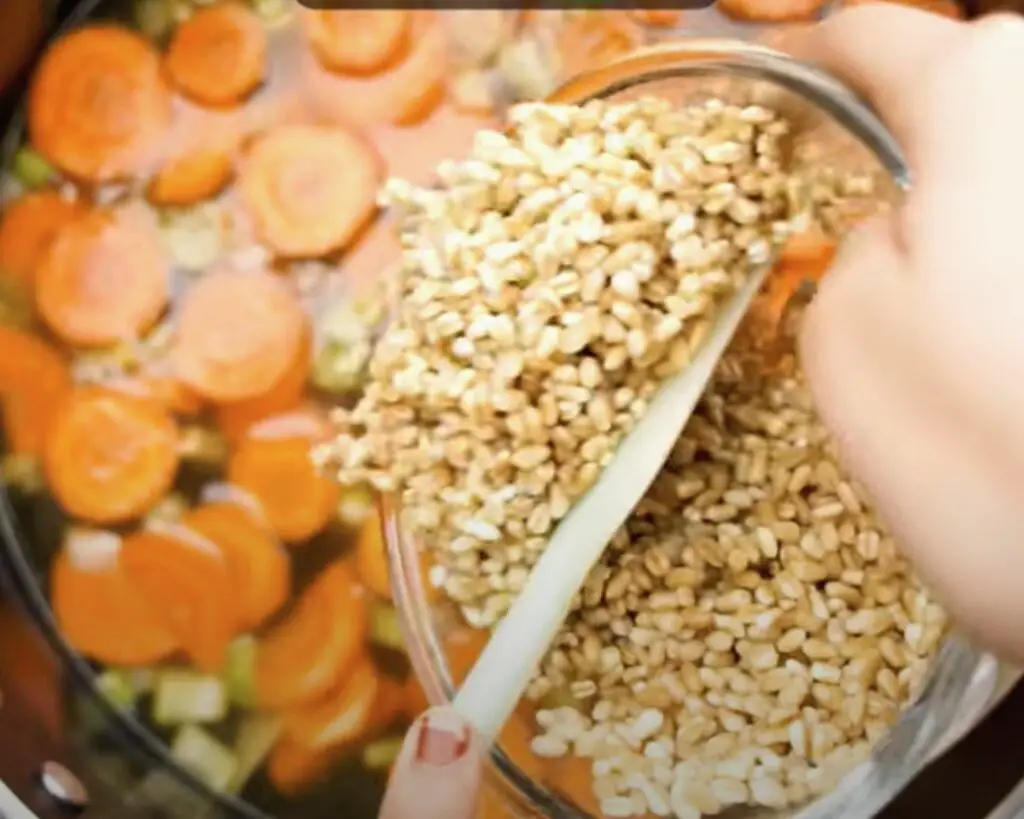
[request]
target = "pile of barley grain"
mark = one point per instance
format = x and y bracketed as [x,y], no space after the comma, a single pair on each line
[752,630]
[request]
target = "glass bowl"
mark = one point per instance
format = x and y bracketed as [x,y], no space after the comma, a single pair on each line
[836,127]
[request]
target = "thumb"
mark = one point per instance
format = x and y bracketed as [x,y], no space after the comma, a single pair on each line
[439,770]
[864,347]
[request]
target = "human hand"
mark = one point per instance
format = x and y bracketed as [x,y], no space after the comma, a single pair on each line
[914,345]
[439,771]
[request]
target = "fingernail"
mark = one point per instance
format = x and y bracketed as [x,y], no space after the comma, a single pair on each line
[443,738]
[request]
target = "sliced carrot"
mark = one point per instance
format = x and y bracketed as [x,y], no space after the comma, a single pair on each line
[292,766]
[218,56]
[414,153]
[104,279]
[343,717]
[189,580]
[274,464]
[659,18]
[165,390]
[110,456]
[462,648]
[358,42]
[101,611]
[310,652]
[238,335]
[573,778]
[34,381]
[771,11]
[403,95]
[236,418]
[514,741]
[945,8]
[804,257]
[28,226]
[377,251]
[310,189]
[415,697]
[810,248]
[593,39]
[372,558]
[260,570]
[192,178]
[98,105]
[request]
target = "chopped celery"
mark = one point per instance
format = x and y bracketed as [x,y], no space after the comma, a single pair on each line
[31,169]
[380,754]
[118,687]
[195,750]
[187,696]
[256,737]
[272,12]
[385,629]
[201,444]
[239,673]
[339,367]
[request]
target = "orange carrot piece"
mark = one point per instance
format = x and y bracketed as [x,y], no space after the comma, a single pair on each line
[944,8]
[259,567]
[372,558]
[403,95]
[310,652]
[810,248]
[192,178]
[34,381]
[218,56]
[104,279]
[573,778]
[274,464]
[771,11]
[310,189]
[28,227]
[343,717]
[292,766]
[238,335]
[163,389]
[358,42]
[98,105]
[594,39]
[659,18]
[415,697]
[462,648]
[101,611]
[110,456]
[189,580]
[236,418]
[376,252]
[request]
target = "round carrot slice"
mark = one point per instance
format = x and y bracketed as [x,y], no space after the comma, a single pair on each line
[28,226]
[238,335]
[237,417]
[343,717]
[292,767]
[100,610]
[34,381]
[259,567]
[372,558]
[218,56]
[403,95]
[274,464]
[310,652]
[191,179]
[104,279]
[771,11]
[163,389]
[658,18]
[98,105]
[594,39]
[110,456]
[188,579]
[358,42]
[309,188]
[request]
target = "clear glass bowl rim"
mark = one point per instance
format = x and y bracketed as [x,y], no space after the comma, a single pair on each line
[907,748]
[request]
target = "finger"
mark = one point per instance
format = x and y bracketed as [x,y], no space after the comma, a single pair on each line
[951,513]
[438,772]
[879,50]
